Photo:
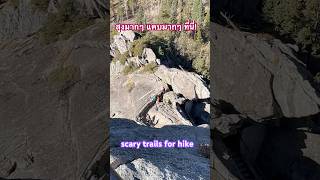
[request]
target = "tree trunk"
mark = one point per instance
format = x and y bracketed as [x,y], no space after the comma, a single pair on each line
[126,8]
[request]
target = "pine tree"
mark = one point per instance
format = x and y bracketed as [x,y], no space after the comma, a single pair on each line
[164,16]
[197,11]
[173,13]
[131,5]
[120,13]
[296,19]
[140,16]
[125,4]
[199,35]
[197,16]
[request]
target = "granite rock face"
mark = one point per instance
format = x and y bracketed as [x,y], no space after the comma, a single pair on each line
[158,163]
[260,78]
[49,129]
[21,19]
[132,94]
[148,102]
[189,84]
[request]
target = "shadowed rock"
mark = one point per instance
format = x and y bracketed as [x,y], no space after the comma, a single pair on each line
[260,78]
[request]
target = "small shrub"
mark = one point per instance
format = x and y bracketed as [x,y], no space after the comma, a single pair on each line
[156,43]
[138,46]
[130,85]
[123,57]
[201,64]
[295,19]
[113,33]
[150,67]
[129,69]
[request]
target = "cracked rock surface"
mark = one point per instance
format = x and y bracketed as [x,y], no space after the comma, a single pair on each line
[49,129]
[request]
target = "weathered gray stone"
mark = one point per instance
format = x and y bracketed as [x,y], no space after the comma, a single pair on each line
[128,35]
[171,98]
[121,44]
[137,61]
[260,78]
[20,21]
[189,84]
[149,55]
[227,124]
[116,68]
[131,94]
[158,163]
[163,114]
[48,132]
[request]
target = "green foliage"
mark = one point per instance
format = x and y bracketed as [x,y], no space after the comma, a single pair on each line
[201,63]
[131,4]
[173,11]
[197,11]
[123,57]
[138,46]
[201,66]
[150,67]
[199,35]
[206,29]
[140,18]
[187,46]
[113,32]
[41,5]
[64,24]
[296,19]
[64,76]
[130,68]
[120,13]
[130,85]
[196,52]
[197,15]
[156,43]
[165,12]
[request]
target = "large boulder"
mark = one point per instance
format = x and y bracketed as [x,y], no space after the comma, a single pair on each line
[228,124]
[189,84]
[128,35]
[121,43]
[158,163]
[173,99]
[164,114]
[116,68]
[149,55]
[261,78]
[136,61]
[131,95]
